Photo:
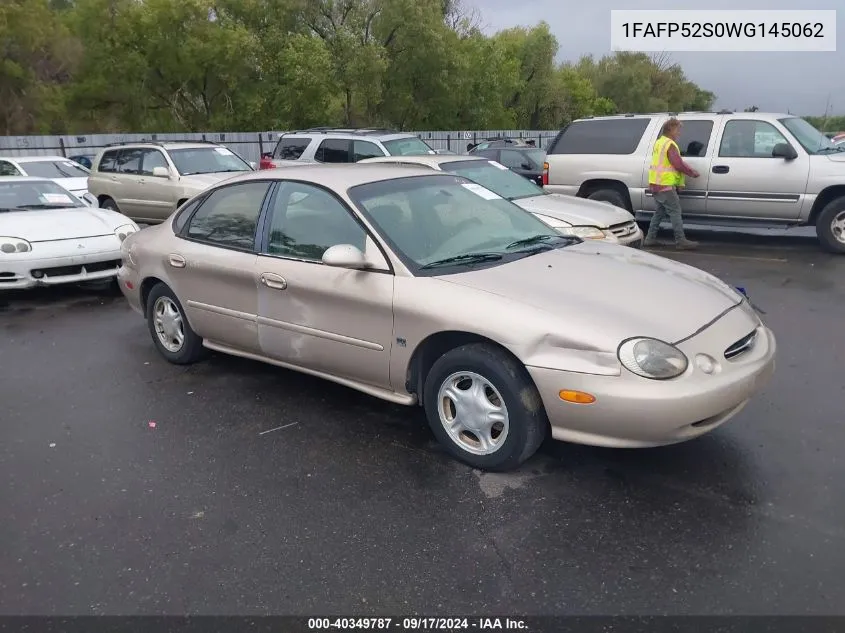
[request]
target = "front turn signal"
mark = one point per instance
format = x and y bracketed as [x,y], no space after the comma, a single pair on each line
[576,397]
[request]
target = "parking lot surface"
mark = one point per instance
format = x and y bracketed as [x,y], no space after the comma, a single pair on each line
[132,486]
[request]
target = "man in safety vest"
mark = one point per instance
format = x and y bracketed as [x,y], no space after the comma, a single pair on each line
[665,177]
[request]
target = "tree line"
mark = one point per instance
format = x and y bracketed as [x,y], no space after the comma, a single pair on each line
[87,66]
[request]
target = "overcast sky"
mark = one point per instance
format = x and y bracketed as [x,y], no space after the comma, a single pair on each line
[796,82]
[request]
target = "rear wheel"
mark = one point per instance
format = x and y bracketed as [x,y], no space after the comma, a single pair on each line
[171,332]
[613,196]
[830,226]
[483,407]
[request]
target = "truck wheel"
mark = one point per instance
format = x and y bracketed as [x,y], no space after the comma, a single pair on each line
[612,196]
[830,226]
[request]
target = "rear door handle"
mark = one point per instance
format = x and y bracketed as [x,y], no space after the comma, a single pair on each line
[273,281]
[721,169]
[177,261]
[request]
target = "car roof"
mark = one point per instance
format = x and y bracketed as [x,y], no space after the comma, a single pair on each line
[162,145]
[431,160]
[381,134]
[339,176]
[737,115]
[34,159]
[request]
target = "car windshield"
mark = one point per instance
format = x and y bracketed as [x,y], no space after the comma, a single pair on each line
[207,160]
[497,178]
[54,169]
[22,195]
[444,223]
[810,138]
[410,146]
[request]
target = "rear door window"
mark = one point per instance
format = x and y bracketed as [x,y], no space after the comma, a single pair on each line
[605,136]
[695,136]
[333,150]
[108,163]
[291,147]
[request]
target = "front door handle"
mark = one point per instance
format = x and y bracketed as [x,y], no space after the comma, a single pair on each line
[721,169]
[177,261]
[273,281]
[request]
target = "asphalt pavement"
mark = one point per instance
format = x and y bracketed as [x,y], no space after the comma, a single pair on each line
[132,486]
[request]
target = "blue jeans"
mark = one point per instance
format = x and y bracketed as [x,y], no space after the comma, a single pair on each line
[668,204]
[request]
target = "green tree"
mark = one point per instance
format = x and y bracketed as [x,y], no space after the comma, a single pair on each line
[39,56]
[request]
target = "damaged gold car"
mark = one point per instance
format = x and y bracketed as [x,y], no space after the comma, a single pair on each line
[428,289]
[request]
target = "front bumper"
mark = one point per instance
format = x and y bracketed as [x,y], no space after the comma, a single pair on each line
[61,262]
[634,412]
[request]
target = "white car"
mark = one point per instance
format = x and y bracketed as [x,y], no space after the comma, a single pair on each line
[586,219]
[49,237]
[63,171]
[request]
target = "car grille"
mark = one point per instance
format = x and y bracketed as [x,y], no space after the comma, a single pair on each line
[91,267]
[624,230]
[742,346]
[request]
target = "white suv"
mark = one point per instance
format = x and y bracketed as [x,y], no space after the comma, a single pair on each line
[342,145]
[147,181]
[757,169]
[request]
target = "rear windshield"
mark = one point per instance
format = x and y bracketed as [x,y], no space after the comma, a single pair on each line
[601,136]
[409,146]
[54,169]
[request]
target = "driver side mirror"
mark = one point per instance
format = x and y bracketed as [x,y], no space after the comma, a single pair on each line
[346,256]
[161,172]
[784,150]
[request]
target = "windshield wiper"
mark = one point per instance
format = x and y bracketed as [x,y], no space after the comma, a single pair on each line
[467,258]
[44,206]
[541,239]
[835,148]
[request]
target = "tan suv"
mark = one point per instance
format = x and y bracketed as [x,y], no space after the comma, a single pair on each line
[757,169]
[147,181]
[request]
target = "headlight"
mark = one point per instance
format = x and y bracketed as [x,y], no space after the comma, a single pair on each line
[10,245]
[565,228]
[125,231]
[650,358]
[584,232]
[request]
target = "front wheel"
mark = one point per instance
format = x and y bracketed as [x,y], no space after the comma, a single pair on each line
[171,332]
[110,205]
[483,407]
[830,226]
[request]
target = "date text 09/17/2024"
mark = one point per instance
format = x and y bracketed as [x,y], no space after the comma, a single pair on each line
[419,624]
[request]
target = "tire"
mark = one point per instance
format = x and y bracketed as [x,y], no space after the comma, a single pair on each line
[830,226]
[109,204]
[612,196]
[162,299]
[482,365]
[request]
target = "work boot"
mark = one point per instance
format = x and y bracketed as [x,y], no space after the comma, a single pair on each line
[684,244]
[649,242]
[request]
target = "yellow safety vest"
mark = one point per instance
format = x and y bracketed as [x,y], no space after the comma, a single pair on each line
[662,172]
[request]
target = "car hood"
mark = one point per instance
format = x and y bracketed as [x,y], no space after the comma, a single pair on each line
[202,181]
[60,224]
[576,211]
[74,185]
[609,288]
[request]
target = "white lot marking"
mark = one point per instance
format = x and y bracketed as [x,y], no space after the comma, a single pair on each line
[278,428]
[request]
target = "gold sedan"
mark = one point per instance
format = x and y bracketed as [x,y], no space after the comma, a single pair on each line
[425,288]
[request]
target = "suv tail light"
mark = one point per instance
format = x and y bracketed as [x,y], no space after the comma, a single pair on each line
[545,174]
[266,163]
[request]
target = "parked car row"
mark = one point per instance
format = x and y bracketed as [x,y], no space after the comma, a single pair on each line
[508,313]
